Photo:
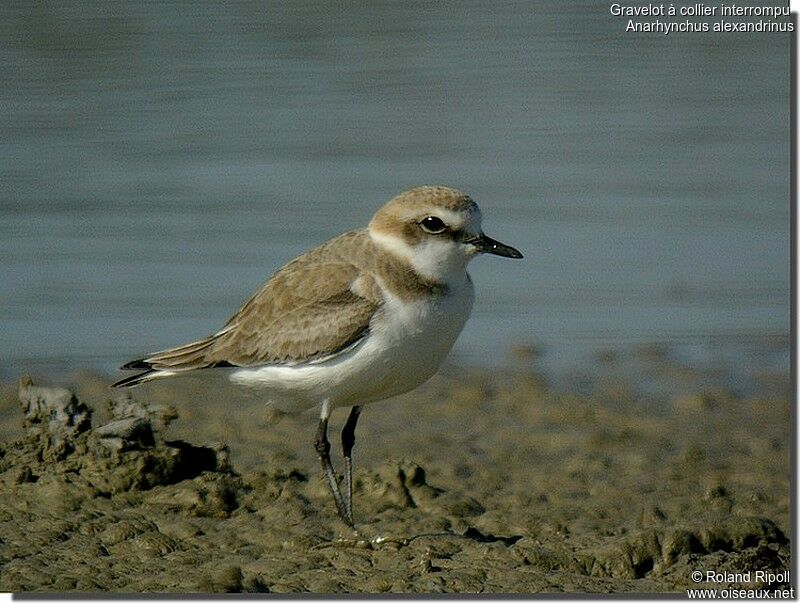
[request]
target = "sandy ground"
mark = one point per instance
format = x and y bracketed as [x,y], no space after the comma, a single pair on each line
[480,481]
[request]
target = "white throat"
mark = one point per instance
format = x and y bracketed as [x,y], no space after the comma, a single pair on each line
[441,260]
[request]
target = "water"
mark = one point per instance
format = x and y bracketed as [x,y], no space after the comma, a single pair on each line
[160,160]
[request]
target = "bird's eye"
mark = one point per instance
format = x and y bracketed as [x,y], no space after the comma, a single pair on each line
[433,225]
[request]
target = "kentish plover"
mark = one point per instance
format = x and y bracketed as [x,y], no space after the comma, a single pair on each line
[368,315]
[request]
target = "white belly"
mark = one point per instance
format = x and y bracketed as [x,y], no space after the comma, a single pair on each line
[405,346]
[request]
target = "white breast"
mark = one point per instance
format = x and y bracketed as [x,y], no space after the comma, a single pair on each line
[405,346]
[412,339]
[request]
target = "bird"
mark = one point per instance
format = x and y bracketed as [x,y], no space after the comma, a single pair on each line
[363,317]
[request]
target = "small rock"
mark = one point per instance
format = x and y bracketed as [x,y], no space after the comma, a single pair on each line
[134,432]
[159,415]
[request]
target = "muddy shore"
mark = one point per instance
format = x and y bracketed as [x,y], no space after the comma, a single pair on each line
[479,481]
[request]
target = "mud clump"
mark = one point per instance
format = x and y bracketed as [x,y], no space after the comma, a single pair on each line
[123,455]
[53,419]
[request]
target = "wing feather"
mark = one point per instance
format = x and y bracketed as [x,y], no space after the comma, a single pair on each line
[317,305]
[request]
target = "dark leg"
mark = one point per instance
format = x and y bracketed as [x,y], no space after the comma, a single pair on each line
[323,448]
[348,439]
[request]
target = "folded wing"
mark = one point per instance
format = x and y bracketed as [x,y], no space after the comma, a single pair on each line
[316,306]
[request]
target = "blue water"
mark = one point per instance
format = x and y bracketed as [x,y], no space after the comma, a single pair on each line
[160,160]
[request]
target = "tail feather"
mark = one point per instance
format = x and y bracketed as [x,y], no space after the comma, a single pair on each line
[133,365]
[134,380]
[169,362]
[191,355]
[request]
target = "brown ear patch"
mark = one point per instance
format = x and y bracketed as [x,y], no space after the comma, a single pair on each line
[412,233]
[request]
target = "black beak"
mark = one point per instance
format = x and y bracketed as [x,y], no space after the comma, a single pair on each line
[487,245]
